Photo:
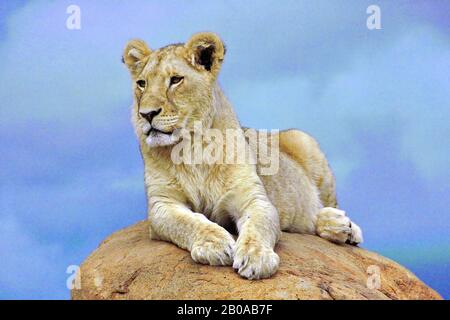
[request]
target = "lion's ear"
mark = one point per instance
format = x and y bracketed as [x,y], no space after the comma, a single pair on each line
[135,56]
[208,51]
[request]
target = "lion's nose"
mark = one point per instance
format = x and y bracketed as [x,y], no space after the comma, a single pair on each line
[150,115]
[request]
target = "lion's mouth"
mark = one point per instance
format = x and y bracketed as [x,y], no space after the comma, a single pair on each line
[157,137]
[154,131]
[148,130]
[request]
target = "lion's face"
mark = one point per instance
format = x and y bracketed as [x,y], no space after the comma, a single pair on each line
[173,86]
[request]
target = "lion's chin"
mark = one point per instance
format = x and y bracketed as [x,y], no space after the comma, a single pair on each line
[161,139]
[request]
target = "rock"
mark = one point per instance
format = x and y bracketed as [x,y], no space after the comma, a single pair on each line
[128,265]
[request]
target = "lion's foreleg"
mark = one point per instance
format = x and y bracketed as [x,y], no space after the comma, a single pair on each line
[259,230]
[208,242]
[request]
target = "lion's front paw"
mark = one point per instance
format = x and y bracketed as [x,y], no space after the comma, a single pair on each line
[253,261]
[214,247]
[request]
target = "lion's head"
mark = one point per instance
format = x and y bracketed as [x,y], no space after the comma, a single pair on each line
[173,86]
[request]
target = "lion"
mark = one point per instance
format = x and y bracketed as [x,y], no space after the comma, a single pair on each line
[198,206]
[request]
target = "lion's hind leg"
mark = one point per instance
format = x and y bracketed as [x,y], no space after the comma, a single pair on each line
[332,224]
[304,150]
[329,222]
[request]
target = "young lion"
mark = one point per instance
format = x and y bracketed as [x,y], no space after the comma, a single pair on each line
[191,204]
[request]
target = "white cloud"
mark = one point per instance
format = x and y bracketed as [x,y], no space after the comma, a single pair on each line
[399,88]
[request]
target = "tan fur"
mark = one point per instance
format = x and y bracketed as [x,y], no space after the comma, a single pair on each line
[190,205]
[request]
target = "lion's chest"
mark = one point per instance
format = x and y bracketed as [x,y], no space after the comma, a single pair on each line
[203,186]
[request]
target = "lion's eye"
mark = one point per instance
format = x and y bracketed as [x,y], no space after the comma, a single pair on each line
[141,84]
[176,79]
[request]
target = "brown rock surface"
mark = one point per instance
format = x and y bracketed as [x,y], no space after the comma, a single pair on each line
[128,265]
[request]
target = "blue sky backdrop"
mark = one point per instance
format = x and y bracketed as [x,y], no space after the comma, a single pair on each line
[378,101]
